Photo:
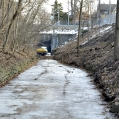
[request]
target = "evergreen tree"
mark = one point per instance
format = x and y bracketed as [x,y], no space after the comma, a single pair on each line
[57,10]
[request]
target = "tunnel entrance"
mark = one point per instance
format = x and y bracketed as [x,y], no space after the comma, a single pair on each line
[52,41]
[45,43]
[45,40]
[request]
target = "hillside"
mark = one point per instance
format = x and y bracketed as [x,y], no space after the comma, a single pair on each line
[96,57]
[12,65]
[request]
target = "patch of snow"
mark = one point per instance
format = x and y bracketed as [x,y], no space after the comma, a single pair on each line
[105,29]
[60,32]
[48,54]
[84,42]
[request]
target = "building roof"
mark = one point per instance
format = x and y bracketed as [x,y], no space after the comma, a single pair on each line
[106,7]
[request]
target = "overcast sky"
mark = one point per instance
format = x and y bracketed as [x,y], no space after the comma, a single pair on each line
[65,6]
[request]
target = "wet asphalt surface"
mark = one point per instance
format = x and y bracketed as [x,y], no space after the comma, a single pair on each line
[50,90]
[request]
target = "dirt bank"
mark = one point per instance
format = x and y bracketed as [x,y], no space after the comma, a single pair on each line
[97,57]
[10,67]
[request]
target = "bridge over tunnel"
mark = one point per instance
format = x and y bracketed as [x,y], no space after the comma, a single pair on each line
[52,41]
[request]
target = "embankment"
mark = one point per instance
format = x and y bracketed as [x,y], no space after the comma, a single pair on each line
[96,57]
[11,67]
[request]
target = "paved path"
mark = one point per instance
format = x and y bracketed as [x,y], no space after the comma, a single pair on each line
[51,90]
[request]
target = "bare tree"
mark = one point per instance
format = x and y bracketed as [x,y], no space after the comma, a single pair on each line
[116,44]
[20,23]
[74,8]
[79,31]
[11,22]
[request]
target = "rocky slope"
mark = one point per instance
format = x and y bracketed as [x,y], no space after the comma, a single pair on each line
[96,57]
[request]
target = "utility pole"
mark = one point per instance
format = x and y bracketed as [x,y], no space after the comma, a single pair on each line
[88,21]
[110,11]
[58,15]
[68,12]
[109,7]
[99,16]
[92,4]
[53,20]
[53,16]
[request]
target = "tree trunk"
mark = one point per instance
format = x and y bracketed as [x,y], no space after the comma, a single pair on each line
[116,44]
[11,22]
[72,9]
[79,32]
